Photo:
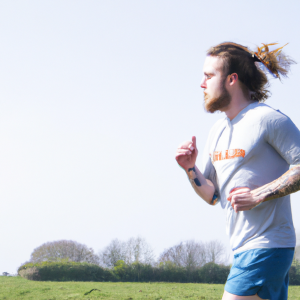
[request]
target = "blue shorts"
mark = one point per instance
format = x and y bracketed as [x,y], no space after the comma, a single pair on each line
[261,271]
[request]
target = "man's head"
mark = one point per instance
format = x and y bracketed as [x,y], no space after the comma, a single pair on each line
[216,96]
[230,65]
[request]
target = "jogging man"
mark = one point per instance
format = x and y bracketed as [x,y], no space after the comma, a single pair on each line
[246,168]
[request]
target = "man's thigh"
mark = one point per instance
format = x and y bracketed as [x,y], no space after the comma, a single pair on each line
[228,296]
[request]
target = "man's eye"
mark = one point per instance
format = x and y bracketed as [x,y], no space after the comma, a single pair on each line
[208,77]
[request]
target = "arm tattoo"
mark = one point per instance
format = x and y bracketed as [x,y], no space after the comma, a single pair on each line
[197,182]
[214,200]
[194,180]
[287,184]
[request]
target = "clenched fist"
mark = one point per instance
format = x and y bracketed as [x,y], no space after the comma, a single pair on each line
[186,154]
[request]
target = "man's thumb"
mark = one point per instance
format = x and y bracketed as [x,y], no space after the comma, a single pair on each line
[194,141]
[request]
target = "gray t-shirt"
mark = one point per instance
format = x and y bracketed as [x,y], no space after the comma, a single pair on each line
[253,149]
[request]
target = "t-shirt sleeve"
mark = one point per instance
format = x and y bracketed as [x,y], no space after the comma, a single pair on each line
[284,136]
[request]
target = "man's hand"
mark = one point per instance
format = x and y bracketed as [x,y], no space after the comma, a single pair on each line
[243,199]
[186,154]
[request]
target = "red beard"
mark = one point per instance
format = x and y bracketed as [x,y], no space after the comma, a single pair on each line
[218,103]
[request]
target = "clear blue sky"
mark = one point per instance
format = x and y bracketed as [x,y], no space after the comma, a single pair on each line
[95,97]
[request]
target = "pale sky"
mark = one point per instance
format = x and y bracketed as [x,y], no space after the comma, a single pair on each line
[95,98]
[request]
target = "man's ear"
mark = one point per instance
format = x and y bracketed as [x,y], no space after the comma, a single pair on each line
[233,78]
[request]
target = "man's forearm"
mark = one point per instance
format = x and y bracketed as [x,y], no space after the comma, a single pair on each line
[287,184]
[202,186]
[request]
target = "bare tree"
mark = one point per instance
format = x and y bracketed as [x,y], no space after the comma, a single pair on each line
[137,250]
[191,254]
[215,252]
[173,254]
[133,250]
[298,238]
[194,255]
[297,248]
[64,249]
[112,253]
[297,253]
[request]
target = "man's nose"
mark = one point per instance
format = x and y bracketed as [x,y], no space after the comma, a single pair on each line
[203,83]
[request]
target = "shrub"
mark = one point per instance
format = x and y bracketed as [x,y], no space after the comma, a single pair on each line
[213,273]
[31,273]
[170,272]
[294,273]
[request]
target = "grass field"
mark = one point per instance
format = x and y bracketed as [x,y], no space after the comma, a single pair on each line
[19,288]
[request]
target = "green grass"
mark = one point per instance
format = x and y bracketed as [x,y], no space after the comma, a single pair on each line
[19,288]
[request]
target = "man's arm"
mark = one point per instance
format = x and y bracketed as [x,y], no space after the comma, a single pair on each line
[244,199]
[202,186]
[186,156]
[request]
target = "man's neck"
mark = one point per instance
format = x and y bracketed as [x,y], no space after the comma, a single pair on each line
[236,105]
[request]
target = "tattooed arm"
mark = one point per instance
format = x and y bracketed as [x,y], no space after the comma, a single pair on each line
[202,186]
[186,155]
[288,183]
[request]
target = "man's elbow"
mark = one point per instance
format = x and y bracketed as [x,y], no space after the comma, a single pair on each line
[213,200]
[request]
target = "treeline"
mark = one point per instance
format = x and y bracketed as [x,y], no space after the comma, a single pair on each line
[189,254]
[133,261]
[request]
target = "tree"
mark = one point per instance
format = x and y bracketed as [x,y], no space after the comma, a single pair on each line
[173,255]
[189,254]
[297,254]
[138,250]
[193,255]
[113,253]
[214,252]
[131,251]
[297,248]
[63,249]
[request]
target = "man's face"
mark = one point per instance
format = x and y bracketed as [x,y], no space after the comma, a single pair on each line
[216,97]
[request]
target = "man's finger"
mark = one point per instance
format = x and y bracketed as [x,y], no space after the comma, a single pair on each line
[240,198]
[235,208]
[244,193]
[185,145]
[233,201]
[238,207]
[238,191]
[183,151]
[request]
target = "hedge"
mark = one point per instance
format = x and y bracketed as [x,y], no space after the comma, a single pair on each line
[135,272]
[65,271]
